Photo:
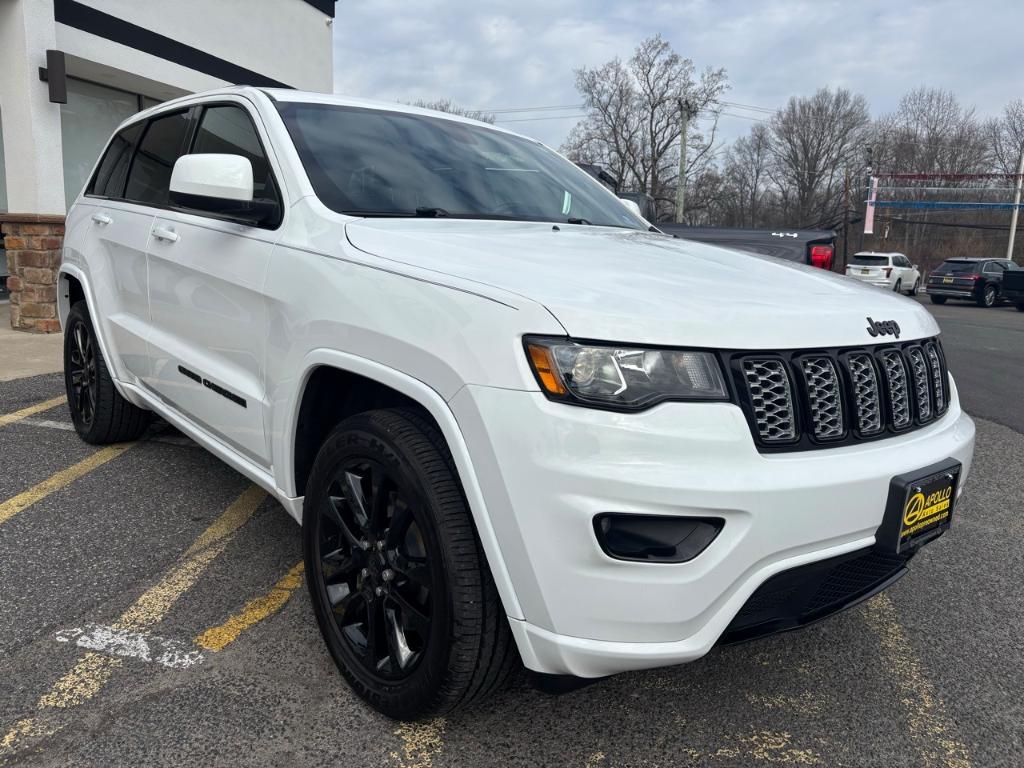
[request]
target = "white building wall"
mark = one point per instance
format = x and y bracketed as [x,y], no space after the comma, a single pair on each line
[287,40]
[31,124]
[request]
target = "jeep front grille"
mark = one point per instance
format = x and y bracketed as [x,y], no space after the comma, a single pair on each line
[798,400]
[771,398]
[920,371]
[824,397]
[866,401]
[896,378]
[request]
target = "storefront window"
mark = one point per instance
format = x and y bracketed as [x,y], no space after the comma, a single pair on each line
[87,121]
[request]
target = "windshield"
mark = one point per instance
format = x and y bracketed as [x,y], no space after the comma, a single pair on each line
[956,268]
[369,162]
[869,261]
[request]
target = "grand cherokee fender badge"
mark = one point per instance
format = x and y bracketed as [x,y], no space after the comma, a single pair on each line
[883,328]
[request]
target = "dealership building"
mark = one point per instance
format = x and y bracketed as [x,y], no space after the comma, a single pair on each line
[118,57]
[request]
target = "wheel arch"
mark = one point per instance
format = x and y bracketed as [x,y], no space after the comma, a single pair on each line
[372,385]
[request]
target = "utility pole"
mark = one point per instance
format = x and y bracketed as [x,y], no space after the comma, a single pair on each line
[684,110]
[846,214]
[1016,209]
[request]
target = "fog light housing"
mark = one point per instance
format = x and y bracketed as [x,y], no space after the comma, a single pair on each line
[655,538]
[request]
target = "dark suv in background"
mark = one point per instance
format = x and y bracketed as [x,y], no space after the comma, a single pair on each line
[978,280]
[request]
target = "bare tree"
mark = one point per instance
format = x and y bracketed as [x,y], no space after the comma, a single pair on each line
[812,140]
[447,105]
[930,132]
[634,121]
[1006,137]
[747,183]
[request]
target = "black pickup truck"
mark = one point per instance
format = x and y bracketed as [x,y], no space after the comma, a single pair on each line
[1013,287]
[815,247]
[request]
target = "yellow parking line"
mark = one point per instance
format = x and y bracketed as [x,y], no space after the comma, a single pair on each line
[16,504]
[32,410]
[92,671]
[255,611]
[931,730]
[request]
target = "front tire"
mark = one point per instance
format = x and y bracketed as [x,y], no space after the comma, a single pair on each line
[898,288]
[938,299]
[916,288]
[98,411]
[988,297]
[399,584]
[1020,307]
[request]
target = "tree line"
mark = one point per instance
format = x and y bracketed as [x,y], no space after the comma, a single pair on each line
[806,164]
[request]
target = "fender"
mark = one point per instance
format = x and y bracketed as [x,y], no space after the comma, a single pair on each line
[64,307]
[430,399]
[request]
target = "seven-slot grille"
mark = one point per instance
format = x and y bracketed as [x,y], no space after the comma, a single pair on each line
[800,400]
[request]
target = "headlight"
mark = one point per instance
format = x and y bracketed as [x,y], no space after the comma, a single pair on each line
[623,377]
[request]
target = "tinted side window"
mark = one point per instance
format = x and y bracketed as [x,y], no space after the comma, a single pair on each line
[229,130]
[108,181]
[993,267]
[150,177]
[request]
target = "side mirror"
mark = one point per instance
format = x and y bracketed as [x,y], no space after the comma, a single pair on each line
[220,184]
[632,206]
[917,267]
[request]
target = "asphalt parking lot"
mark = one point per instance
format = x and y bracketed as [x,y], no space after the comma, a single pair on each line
[152,612]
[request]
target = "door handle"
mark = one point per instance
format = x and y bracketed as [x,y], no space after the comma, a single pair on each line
[163,233]
[101,218]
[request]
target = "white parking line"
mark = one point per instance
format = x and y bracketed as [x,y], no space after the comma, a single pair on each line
[141,646]
[179,440]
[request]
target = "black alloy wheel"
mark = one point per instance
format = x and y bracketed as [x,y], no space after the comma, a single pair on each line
[397,577]
[374,568]
[99,412]
[988,297]
[82,373]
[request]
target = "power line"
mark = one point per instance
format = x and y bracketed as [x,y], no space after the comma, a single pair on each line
[531,119]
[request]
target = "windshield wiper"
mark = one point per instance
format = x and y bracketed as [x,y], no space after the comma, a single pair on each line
[431,212]
[577,221]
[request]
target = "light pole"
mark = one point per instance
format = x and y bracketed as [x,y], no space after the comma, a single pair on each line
[1016,207]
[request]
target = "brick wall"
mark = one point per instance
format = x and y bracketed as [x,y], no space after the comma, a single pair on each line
[33,244]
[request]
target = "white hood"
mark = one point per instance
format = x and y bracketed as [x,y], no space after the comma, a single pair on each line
[645,288]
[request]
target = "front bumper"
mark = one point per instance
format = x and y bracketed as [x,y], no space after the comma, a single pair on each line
[546,469]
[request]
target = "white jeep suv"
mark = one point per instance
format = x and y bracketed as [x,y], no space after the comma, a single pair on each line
[514,422]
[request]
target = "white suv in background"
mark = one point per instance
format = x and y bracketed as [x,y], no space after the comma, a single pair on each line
[886,270]
[517,425]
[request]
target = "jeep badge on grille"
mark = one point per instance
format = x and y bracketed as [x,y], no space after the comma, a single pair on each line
[883,328]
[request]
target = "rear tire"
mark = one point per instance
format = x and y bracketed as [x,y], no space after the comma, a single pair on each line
[99,413]
[938,299]
[988,297]
[399,583]
[1020,307]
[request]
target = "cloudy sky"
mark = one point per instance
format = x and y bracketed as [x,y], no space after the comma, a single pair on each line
[506,54]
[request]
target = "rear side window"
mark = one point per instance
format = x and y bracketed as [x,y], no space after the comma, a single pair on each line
[108,181]
[229,130]
[149,179]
